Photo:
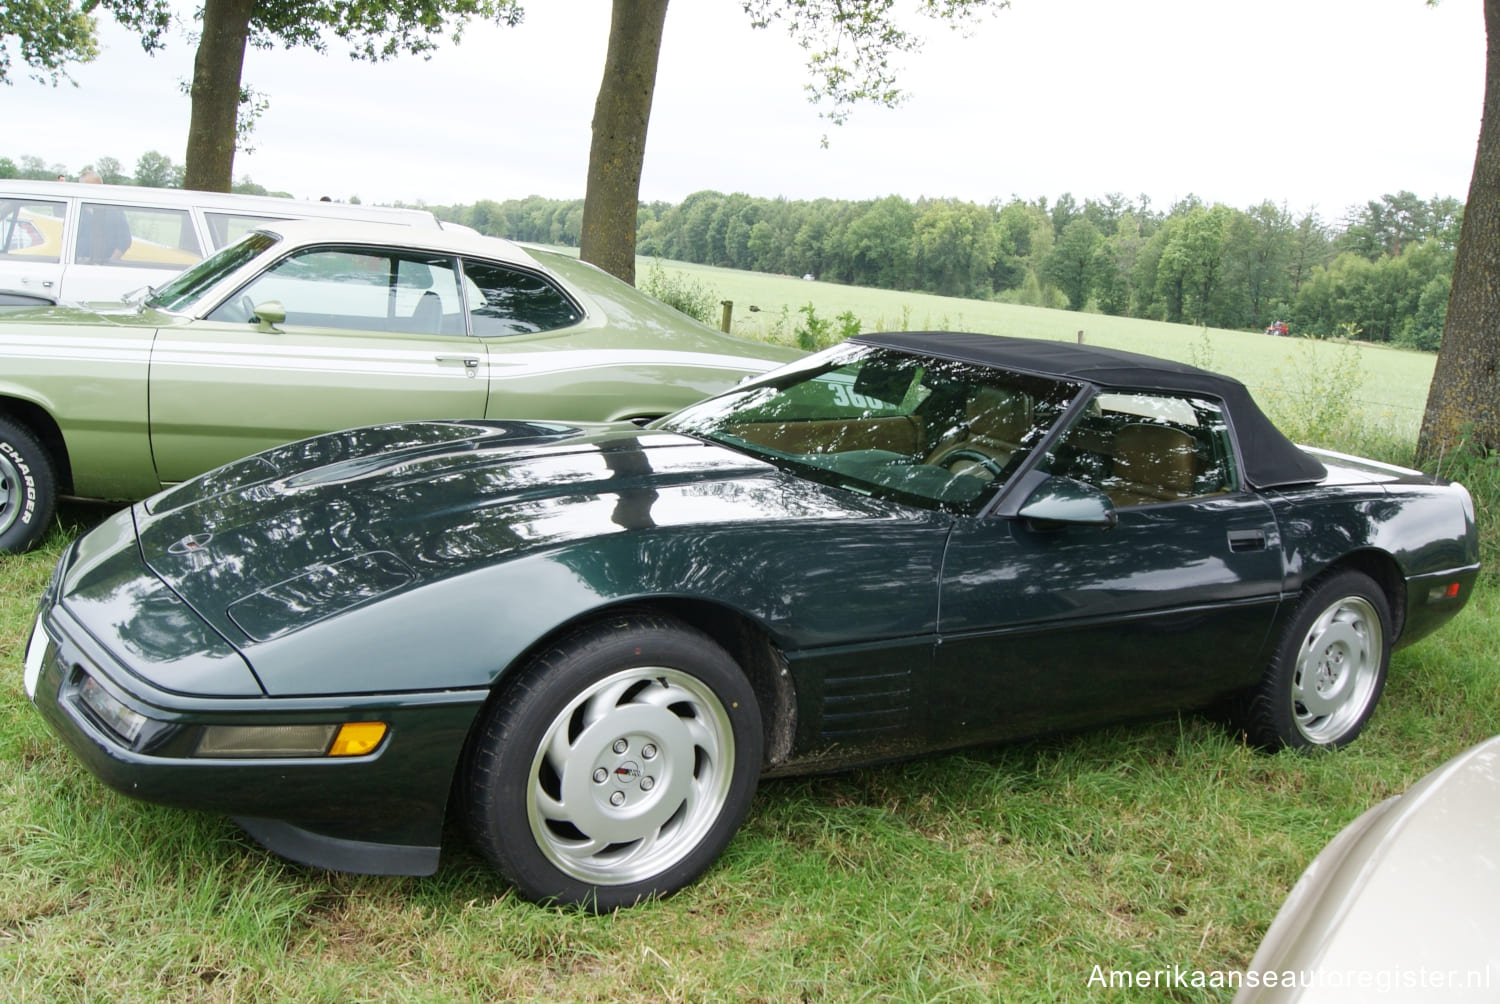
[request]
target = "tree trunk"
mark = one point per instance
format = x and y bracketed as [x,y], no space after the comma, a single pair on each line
[621,114]
[1465,393]
[216,94]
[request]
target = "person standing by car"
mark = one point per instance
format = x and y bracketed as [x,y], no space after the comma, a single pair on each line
[103,231]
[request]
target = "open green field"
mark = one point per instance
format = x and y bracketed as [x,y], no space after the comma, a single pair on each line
[1380,390]
[997,874]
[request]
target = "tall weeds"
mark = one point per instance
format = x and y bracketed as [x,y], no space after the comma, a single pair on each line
[1478,469]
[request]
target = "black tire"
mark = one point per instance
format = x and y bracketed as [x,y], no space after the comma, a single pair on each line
[1328,668]
[616,766]
[28,488]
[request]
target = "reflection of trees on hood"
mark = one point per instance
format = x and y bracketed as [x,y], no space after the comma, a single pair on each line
[627,517]
[151,622]
[632,502]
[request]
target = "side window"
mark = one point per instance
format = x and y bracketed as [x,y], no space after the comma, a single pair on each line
[136,236]
[32,230]
[506,301]
[356,288]
[226,228]
[1141,449]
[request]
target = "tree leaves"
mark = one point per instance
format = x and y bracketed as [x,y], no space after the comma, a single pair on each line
[852,46]
[48,34]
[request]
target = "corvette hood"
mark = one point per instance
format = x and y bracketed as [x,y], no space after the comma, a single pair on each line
[281,540]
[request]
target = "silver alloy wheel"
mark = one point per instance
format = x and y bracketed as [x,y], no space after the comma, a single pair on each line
[631,776]
[1337,668]
[12,493]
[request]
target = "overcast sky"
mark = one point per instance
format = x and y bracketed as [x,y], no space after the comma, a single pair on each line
[1312,103]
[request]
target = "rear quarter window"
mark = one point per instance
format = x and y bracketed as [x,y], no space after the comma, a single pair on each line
[32,229]
[508,301]
[226,228]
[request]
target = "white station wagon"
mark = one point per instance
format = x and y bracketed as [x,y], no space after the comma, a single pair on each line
[69,241]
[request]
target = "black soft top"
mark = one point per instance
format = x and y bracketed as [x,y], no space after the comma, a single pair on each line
[1270,459]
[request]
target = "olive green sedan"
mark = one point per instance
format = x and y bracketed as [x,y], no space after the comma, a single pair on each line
[301,328]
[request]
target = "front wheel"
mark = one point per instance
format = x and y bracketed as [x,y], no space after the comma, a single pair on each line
[28,488]
[1328,668]
[616,766]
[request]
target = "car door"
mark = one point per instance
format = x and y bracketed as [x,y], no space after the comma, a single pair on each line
[1051,626]
[370,335]
[33,235]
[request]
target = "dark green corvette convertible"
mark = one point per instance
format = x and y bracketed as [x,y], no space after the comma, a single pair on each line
[589,642]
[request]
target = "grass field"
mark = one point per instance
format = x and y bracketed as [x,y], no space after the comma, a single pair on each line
[997,874]
[1373,390]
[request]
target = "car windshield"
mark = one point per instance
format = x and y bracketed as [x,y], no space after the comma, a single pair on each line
[932,432]
[185,290]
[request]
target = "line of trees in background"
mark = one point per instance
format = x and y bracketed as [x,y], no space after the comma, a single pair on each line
[1382,273]
[153,169]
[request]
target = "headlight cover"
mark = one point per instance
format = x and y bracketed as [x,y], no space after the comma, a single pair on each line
[122,721]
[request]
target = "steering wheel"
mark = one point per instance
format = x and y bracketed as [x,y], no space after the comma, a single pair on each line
[984,460]
[248,306]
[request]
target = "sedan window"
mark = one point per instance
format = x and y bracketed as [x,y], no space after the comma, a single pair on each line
[507,301]
[363,289]
[1141,449]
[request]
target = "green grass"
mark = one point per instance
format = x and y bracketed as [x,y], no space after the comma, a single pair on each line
[1003,873]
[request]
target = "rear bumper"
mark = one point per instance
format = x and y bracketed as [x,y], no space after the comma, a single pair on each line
[1435,598]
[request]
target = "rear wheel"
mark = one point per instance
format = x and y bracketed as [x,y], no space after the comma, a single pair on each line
[1328,669]
[616,766]
[28,488]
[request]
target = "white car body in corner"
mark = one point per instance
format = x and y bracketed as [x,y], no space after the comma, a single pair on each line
[1403,905]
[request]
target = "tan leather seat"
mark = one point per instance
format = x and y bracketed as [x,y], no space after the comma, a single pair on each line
[1153,463]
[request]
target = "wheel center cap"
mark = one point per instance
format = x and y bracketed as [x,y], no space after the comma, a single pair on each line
[627,772]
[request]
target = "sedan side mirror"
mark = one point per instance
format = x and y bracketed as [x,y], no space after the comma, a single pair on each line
[1061,502]
[270,314]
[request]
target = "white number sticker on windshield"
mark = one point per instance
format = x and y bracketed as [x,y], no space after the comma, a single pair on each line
[845,396]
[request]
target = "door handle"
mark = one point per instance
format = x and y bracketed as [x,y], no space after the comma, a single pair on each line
[470,363]
[1247,540]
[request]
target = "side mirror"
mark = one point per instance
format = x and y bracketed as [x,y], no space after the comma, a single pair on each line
[270,314]
[1061,502]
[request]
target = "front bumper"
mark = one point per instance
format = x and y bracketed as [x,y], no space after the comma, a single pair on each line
[381,812]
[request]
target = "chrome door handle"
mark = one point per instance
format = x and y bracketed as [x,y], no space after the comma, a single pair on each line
[470,363]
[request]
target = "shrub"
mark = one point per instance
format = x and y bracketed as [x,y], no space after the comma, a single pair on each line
[1317,403]
[814,332]
[693,298]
